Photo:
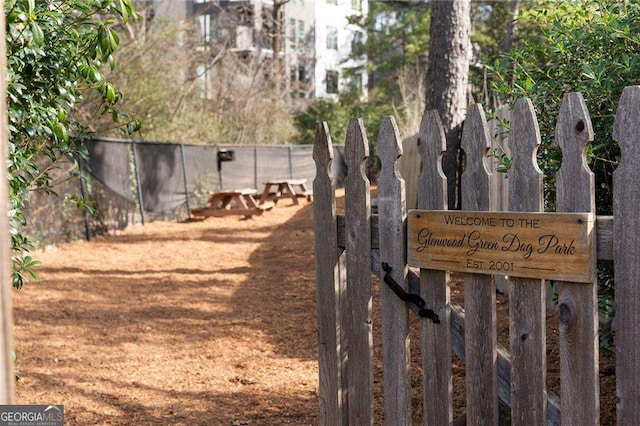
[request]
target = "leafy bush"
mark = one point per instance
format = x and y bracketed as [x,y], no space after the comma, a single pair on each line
[590,47]
[56,50]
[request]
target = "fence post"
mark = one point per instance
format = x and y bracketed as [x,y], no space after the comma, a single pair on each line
[138,183]
[479,290]
[358,250]
[627,254]
[436,338]
[184,176]
[290,162]
[83,194]
[255,167]
[328,279]
[527,310]
[393,252]
[577,303]
[6,318]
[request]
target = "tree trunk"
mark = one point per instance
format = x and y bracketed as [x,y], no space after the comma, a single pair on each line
[447,81]
[277,45]
[511,26]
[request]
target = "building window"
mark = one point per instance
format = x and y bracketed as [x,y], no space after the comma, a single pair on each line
[357,40]
[298,73]
[332,81]
[356,83]
[301,33]
[332,38]
[332,2]
[292,31]
[356,5]
[298,81]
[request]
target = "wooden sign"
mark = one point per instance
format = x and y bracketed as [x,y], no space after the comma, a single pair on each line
[555,246]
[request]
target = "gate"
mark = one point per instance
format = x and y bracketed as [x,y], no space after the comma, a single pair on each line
[350,247]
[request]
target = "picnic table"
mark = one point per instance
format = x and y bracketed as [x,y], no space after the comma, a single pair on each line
[233,202]
[286,188]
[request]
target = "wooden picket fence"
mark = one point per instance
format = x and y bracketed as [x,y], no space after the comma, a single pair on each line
[350,247]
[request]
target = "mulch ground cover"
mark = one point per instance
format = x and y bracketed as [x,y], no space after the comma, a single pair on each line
[196,323]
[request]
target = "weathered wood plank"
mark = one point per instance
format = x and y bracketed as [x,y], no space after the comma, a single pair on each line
[434,287]
[626,254]
[358,248]
[577,304]
[457,345]
[527,311]
[330,363]
[479,290]
[604,235]
[557,246]
[7,378]
[395,314]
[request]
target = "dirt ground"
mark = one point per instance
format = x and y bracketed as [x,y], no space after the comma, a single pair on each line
[200,323]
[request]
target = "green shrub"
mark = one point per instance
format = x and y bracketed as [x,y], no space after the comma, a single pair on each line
[56,50]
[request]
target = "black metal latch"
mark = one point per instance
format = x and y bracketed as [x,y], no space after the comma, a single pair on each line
[408,297]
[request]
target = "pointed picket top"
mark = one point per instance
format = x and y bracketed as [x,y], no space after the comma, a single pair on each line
[627,125]
[389,148]
[476,143]
[575,181]
[525,177]
[432,182]
[356,148]
[323,149]
[573,129]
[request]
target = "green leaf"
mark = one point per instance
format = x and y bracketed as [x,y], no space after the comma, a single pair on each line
[114,40]
[31,5]
[60,131]
[36,32]
[111,93]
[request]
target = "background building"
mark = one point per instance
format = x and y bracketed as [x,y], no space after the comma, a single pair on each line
[309,42]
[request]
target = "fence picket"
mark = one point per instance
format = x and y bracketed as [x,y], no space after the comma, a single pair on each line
[330,365]
[395,314]
[527,312]
[436,338]
[577,303]
[479,290]
[358,291]
[626,254]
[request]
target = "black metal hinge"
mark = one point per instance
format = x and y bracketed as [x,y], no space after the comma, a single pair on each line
[408,297]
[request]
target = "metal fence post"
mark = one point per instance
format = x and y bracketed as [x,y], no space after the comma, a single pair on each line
[138,184]
[290,163]
[184,175]
[83,193]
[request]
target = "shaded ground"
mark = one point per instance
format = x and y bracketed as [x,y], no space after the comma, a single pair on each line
[196,323]
[203,323]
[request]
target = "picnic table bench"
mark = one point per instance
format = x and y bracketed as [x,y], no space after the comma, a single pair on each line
[286,188]
[233,202]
